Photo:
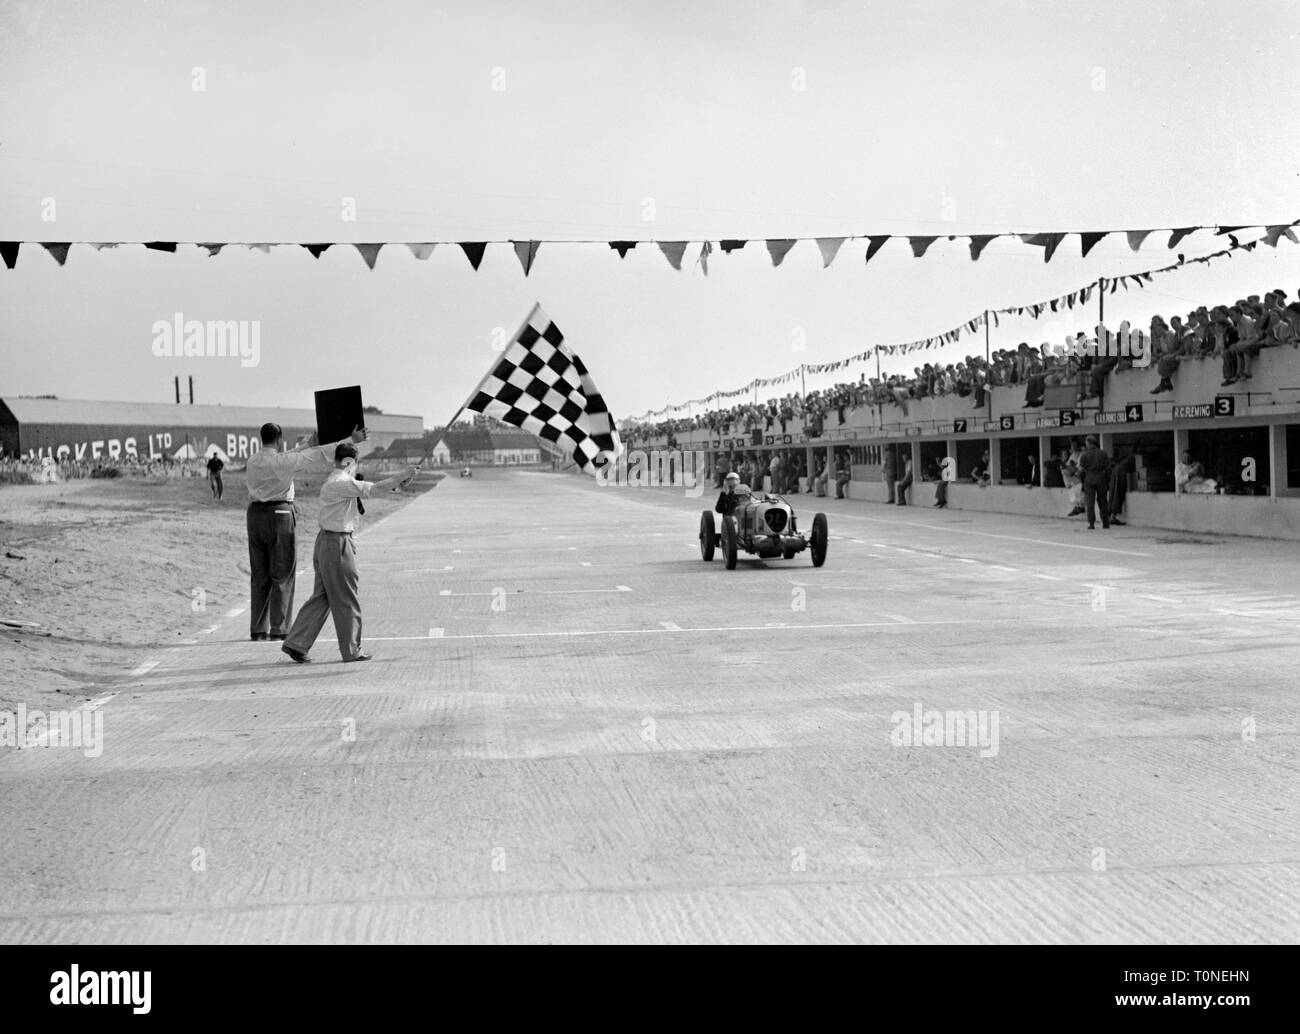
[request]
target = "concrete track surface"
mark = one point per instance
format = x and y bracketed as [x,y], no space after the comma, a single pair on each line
[575,730]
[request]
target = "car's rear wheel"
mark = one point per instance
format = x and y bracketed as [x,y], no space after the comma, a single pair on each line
[730,543]
[708,534]
[820,537]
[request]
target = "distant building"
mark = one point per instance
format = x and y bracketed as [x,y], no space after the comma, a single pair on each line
[499,446]
[111,431]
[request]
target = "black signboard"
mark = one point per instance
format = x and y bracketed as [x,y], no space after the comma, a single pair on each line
[338,413]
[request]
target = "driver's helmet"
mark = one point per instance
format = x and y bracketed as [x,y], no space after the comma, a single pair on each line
[732,479]
[744,490]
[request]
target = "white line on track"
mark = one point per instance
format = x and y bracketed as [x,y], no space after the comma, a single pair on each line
[899,618]
[951,529]
[588,633]
[147,666]
[537,592]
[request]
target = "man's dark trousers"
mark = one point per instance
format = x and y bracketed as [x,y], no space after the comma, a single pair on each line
[1094,497]
[272,565]
[1118,491]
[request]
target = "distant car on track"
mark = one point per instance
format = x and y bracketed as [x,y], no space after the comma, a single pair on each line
[763,526]
[465,472]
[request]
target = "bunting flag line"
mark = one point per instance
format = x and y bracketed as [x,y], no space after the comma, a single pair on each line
[1034,310]
[778,247]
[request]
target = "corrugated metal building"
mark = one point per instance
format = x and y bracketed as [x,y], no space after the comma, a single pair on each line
[88,430]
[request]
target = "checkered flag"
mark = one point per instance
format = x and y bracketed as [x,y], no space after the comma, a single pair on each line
[541,385]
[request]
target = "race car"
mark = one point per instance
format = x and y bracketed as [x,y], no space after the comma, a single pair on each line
[764,526]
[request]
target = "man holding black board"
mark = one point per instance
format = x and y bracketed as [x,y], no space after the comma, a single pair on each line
[272,519]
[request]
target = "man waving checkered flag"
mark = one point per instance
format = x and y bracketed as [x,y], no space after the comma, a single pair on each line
[541,385]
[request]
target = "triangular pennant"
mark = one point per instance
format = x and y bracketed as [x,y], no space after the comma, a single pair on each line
[1273,234]
[1136,237]
[422,251]
[622,247]
[59,251]
[369,252]
[874,245]
[1088,241]
[161,246]
[779,249]
[104,244]
[920,244]
[1049,242]
[1177,235]
[706,249]
[317,250]
[265,249]
[1227,229]
[729,246]
[979,243]
[474,252]
[9,252]
[526,252]
[212,249]
[673,251]
[829,247]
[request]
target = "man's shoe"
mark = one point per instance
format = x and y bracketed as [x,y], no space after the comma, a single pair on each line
[1092,527]
[258,637]
[1105,527]
[1120,523]
[279,637]
[298,658]
[358,657]
[1075,512]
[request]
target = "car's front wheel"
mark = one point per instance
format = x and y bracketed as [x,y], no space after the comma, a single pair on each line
[820,538]
[708,535]
[730,542]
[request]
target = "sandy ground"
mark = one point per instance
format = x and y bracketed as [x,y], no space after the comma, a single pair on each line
[98,572]
[575,730]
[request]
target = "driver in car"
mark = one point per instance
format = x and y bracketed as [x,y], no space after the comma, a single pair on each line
[730,497]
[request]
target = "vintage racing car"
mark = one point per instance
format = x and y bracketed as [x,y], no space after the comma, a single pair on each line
[465,472]
[764,526]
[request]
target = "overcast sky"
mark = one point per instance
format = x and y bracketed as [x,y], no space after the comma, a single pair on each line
[496,121]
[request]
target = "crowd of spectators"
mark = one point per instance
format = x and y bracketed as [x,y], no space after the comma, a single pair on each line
[1234,334]
[38,470]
